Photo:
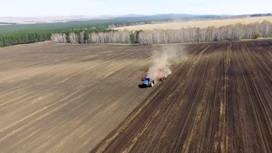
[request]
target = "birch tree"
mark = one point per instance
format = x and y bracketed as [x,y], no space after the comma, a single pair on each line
[73,38]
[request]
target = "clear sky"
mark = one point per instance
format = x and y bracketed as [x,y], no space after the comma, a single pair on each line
[31,8]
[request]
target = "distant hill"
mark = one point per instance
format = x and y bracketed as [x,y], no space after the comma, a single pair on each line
[12,24]
[129,17]
[50,19]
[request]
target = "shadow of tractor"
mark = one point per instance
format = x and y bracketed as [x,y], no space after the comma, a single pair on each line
[142,86]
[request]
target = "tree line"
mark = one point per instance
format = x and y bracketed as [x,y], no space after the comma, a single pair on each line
[83,36]
[125,24]
[75,32]
[257,15]
[26,37]
[155,36]
[107,36]
[209,34]
[160,36]
[23,37]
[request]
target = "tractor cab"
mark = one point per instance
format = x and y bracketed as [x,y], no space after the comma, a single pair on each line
[147,81]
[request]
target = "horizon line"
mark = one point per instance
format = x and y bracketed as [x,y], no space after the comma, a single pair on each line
[128,14]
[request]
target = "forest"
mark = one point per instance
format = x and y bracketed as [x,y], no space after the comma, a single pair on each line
[30,33]
[99,31]
[86,31]
[161,36]
[24,34]
[32,36]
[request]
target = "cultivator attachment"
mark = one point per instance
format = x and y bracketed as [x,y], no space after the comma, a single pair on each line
[150,82]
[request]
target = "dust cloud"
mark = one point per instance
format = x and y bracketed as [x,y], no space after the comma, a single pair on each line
[163,59]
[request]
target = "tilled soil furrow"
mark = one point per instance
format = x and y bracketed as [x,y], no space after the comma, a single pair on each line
[220,105]
[77,98]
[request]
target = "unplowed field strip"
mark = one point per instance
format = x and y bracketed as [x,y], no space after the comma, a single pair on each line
[218,100]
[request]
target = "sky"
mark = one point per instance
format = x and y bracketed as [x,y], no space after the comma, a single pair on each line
[34,8]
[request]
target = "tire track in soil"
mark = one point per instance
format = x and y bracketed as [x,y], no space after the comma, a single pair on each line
[219,103]
[260,114]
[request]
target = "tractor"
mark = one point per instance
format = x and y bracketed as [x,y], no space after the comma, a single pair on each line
[150,82]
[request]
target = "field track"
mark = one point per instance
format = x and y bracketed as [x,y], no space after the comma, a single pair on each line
[218,100]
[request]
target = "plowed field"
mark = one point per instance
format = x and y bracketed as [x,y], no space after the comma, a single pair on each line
[81,98]
[218,100]
[66,98]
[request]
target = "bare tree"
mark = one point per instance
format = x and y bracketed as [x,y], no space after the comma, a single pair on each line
[73,38]
[160,36]
[58,38]
[81,37]
[264,28]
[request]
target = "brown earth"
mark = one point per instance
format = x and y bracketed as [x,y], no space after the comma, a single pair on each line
[218,100]
[73,98]
[67,98]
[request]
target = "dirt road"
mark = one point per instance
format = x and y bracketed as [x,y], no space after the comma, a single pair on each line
[67,98]
[218,100]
